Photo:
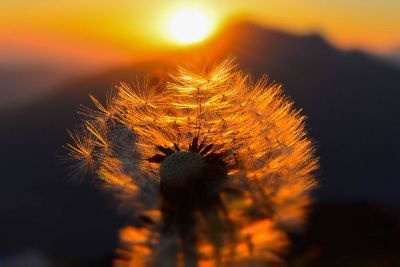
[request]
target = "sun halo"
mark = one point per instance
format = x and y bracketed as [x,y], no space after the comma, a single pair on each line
[189,25]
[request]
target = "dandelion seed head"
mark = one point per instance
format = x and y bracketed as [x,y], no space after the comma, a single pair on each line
[225,162]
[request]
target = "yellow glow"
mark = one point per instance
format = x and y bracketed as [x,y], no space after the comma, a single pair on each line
[189,25]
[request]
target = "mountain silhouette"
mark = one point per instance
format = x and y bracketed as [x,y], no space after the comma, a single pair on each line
[350,99]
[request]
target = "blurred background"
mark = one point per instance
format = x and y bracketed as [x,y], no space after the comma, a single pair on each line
[338,60]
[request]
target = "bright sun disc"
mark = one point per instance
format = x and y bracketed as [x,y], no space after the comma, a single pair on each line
[189,25]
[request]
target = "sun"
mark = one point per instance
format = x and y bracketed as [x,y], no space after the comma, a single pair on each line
[189,25]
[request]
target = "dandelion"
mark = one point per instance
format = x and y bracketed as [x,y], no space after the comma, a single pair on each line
[216,169]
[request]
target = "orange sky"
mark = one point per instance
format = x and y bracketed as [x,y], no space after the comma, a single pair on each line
[114,29]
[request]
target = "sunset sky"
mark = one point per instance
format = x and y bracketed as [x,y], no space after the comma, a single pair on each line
[116,28]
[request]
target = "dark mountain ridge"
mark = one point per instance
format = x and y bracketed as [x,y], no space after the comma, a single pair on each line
[350,99]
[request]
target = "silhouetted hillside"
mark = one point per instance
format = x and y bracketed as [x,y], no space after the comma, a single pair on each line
[17,91]
[393,57]
[349,97]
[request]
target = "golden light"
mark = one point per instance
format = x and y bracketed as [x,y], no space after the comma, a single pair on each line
[189,25]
